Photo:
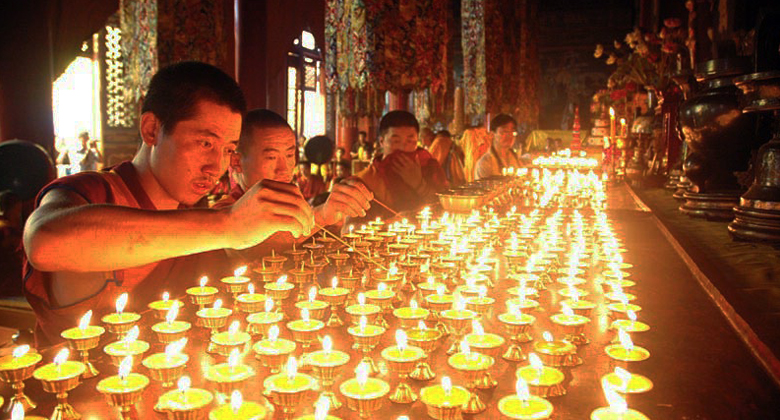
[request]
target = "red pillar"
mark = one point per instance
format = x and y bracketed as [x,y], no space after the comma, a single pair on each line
[399,101]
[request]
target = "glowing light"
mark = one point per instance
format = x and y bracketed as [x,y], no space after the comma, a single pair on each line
[305,315]
[61,357]
[234,327]
[269,304]
[547,336]
[132,335]
[464,347]
[175,348]
[566,310]
[413,305]
[217,303]
[361,373]
[381,287]
[203,281]
[521,387]
[625,340]
[446,384]
[327,344]
[334,283]
[17,413]
[236,401]
[172,313]
[281,280]
[476,327]
[21,351]
[124,367]
[121,303]
[238,272]
[184,384]
[362,324]
[361,299]
[234,358]
[321,408]
[400,340]
[292,368]
[84,321]
[273,333]
[166,296]
[617,404]
[421,325]
[624,375]
[250,289]
[312,294]
[631,315]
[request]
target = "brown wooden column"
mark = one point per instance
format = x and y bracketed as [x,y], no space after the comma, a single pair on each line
[399,101]
[251,48]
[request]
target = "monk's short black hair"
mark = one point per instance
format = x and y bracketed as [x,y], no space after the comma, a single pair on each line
[175,91]
[259,118]
[500,120]
[397,119]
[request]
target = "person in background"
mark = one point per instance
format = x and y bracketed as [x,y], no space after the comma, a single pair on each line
[141,227]
[267,151]
[362,149]
[341,172]
[449,156]
[82,159]
[310,184]
[11,252]
[426,138]
[500,155]
[403,176]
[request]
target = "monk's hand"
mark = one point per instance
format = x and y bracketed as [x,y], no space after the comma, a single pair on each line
[409,169]
[349,198]
[267,208]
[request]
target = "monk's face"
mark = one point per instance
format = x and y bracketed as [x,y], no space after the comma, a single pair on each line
[505,136]
[403,139]
[270,155]
[188,160]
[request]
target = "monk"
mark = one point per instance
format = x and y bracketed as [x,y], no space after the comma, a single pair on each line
[267,151]
[403,176]
[140,227]
[500,155]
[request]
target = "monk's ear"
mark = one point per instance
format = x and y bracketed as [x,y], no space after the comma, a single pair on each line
[235,162]
[150,128]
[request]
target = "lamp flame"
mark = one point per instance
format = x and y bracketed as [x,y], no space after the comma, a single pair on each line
[166,296]
[312,294]
[21,351]
[464,347]
[234,327]
[476,327]
[631,315]
[566,310]
[446,384]
[321,408]
[124,367]
[132,335]
[184,384]
[458,303]
[625,340]
[250,288]
[84,321]
[611,112]
[17,413]
[203,281]
[269,304]
[440,290]
[535,361]
[292,368]
[172,313]
[236,401]
[217,303]
[361,299]
[305,315]
[624,375]
[238,272]
[175,348]
[381,287]
[327,344]
[334,283]
[61,357]
[421,325]
[281,280]
[273,333]
[400,339]
[617,404]
[521,387]
[361,373]
[234,358]
[363,322]
[413,304]
[121,303]
[547,336]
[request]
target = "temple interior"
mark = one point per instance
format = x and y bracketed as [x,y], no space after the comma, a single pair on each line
[395,209]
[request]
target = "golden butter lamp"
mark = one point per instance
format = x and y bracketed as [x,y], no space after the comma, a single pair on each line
[261,322]
[236,284]
[362,309]
[250,302]
[625,382]
[572,325]
[402,359]
[215,317]
[238,409]
[130,345]
[625,351]
[202,295]
[288,389]
[473,367]
[227,377]
[120,322]
[517,326]
[457,319]
[273,351]
[617,409]
[184,403]
[557,353]
[58,378]
[267,274]
[488,344]
[163,306]
[325,363]
[171,330]
[223,343]
[427,339]
[383,298]
[544,381]
[524,406]
[364,395]
[366,337]
[315,307]
[168,367]
[300,277]
[336,297]
[278,291]
[410,316]
[274,261]
[321,408]
[304,332]
[17,367]
[124,390]
[296,254]
[444,402]
[82,339]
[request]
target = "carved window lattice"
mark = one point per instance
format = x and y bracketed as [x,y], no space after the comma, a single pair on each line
[118,113]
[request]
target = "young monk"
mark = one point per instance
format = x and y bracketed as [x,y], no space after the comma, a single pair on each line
[267,151]
[140,227]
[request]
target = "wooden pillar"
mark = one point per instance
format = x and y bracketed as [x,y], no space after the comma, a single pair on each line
[399,101]
[348,132]
[251,46]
